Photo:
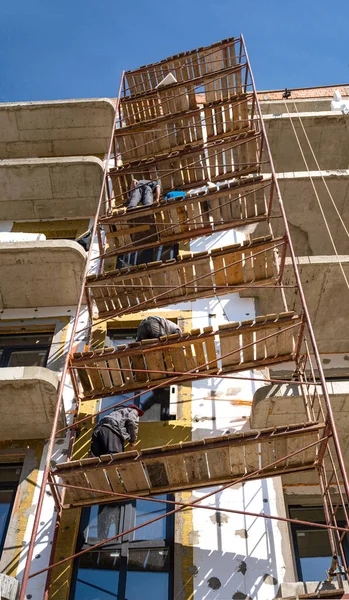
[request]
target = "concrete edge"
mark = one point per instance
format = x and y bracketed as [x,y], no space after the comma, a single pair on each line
[70,102]
[39,246]
[40,374]
[42,162]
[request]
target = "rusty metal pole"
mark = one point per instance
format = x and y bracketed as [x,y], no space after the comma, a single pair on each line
[62,382]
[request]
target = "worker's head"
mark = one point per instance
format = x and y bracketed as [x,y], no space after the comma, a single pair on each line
[135,407]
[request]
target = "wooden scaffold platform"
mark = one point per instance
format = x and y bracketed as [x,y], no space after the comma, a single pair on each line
[193,464]
[189,277]
[205,212]
[264,341]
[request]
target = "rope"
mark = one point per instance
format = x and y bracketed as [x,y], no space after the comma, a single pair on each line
[317,198]
[320,171]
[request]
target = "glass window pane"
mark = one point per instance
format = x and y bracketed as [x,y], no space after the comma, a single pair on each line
[137,583]
[312,546]
[145,511]
[6,497]
[28,358]
[98,576]
[94,584]
[149,559]
[104,522]
[26,339]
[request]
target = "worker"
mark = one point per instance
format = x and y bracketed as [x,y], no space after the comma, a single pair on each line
[120,426]
[85,240]
[156,327]
[142,191]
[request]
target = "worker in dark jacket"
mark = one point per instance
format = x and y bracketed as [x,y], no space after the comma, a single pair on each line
[155,327]
[111,433]
[142,191]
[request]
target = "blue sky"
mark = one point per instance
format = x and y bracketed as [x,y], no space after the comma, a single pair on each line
[77,48]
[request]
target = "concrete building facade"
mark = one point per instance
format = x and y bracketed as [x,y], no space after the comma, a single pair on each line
[52,165]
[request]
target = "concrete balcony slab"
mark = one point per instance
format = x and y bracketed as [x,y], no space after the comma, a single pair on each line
[327,131]
[324,287]
[49,188]
[28,402]
[282,404]
[37,274]
[278,107]
[56,128]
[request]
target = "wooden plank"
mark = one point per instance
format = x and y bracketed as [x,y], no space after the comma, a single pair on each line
[237,461]
[176,470]
[138,362]
[125,365]
[234,272]
[196,467]
[114,479]
[178,359]
[229,347]
[248,353]
[210,350]
[156,471]
[200,357]
[133,476]
[154,360]
[203,273]
[115,375]
[95,377]
[191,363]
[219,275]
[84,379]
[97,479]
[218,462]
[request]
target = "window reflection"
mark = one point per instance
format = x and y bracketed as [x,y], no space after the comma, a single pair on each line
[145,511]
[149,559]
[155,583]
[93,584]
[312,546]
[25,350]
[104,522]
[124,568]
[9,478]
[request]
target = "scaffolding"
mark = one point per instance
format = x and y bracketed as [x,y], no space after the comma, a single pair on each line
[204,126]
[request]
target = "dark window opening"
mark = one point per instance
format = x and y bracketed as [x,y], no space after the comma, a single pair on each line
[25,349]
[148,255]
[311,545]
[67,229]
[133,563]
[9,477]
[156,403]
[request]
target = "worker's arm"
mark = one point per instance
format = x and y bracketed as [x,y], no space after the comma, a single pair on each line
[157,190]
[132,427]
[174,328]
[157,193]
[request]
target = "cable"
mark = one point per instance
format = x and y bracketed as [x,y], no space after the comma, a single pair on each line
[318,199]
[320,171]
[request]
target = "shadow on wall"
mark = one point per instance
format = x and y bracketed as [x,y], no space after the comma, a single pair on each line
[230,576]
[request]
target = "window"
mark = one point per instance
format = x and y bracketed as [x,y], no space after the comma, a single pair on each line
[156,404]
[146,256]
[131,564]
[54,230]
[25,349]
[311,546]
[9,476]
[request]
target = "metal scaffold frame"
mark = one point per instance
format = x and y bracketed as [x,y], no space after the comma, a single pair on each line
[233,83]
